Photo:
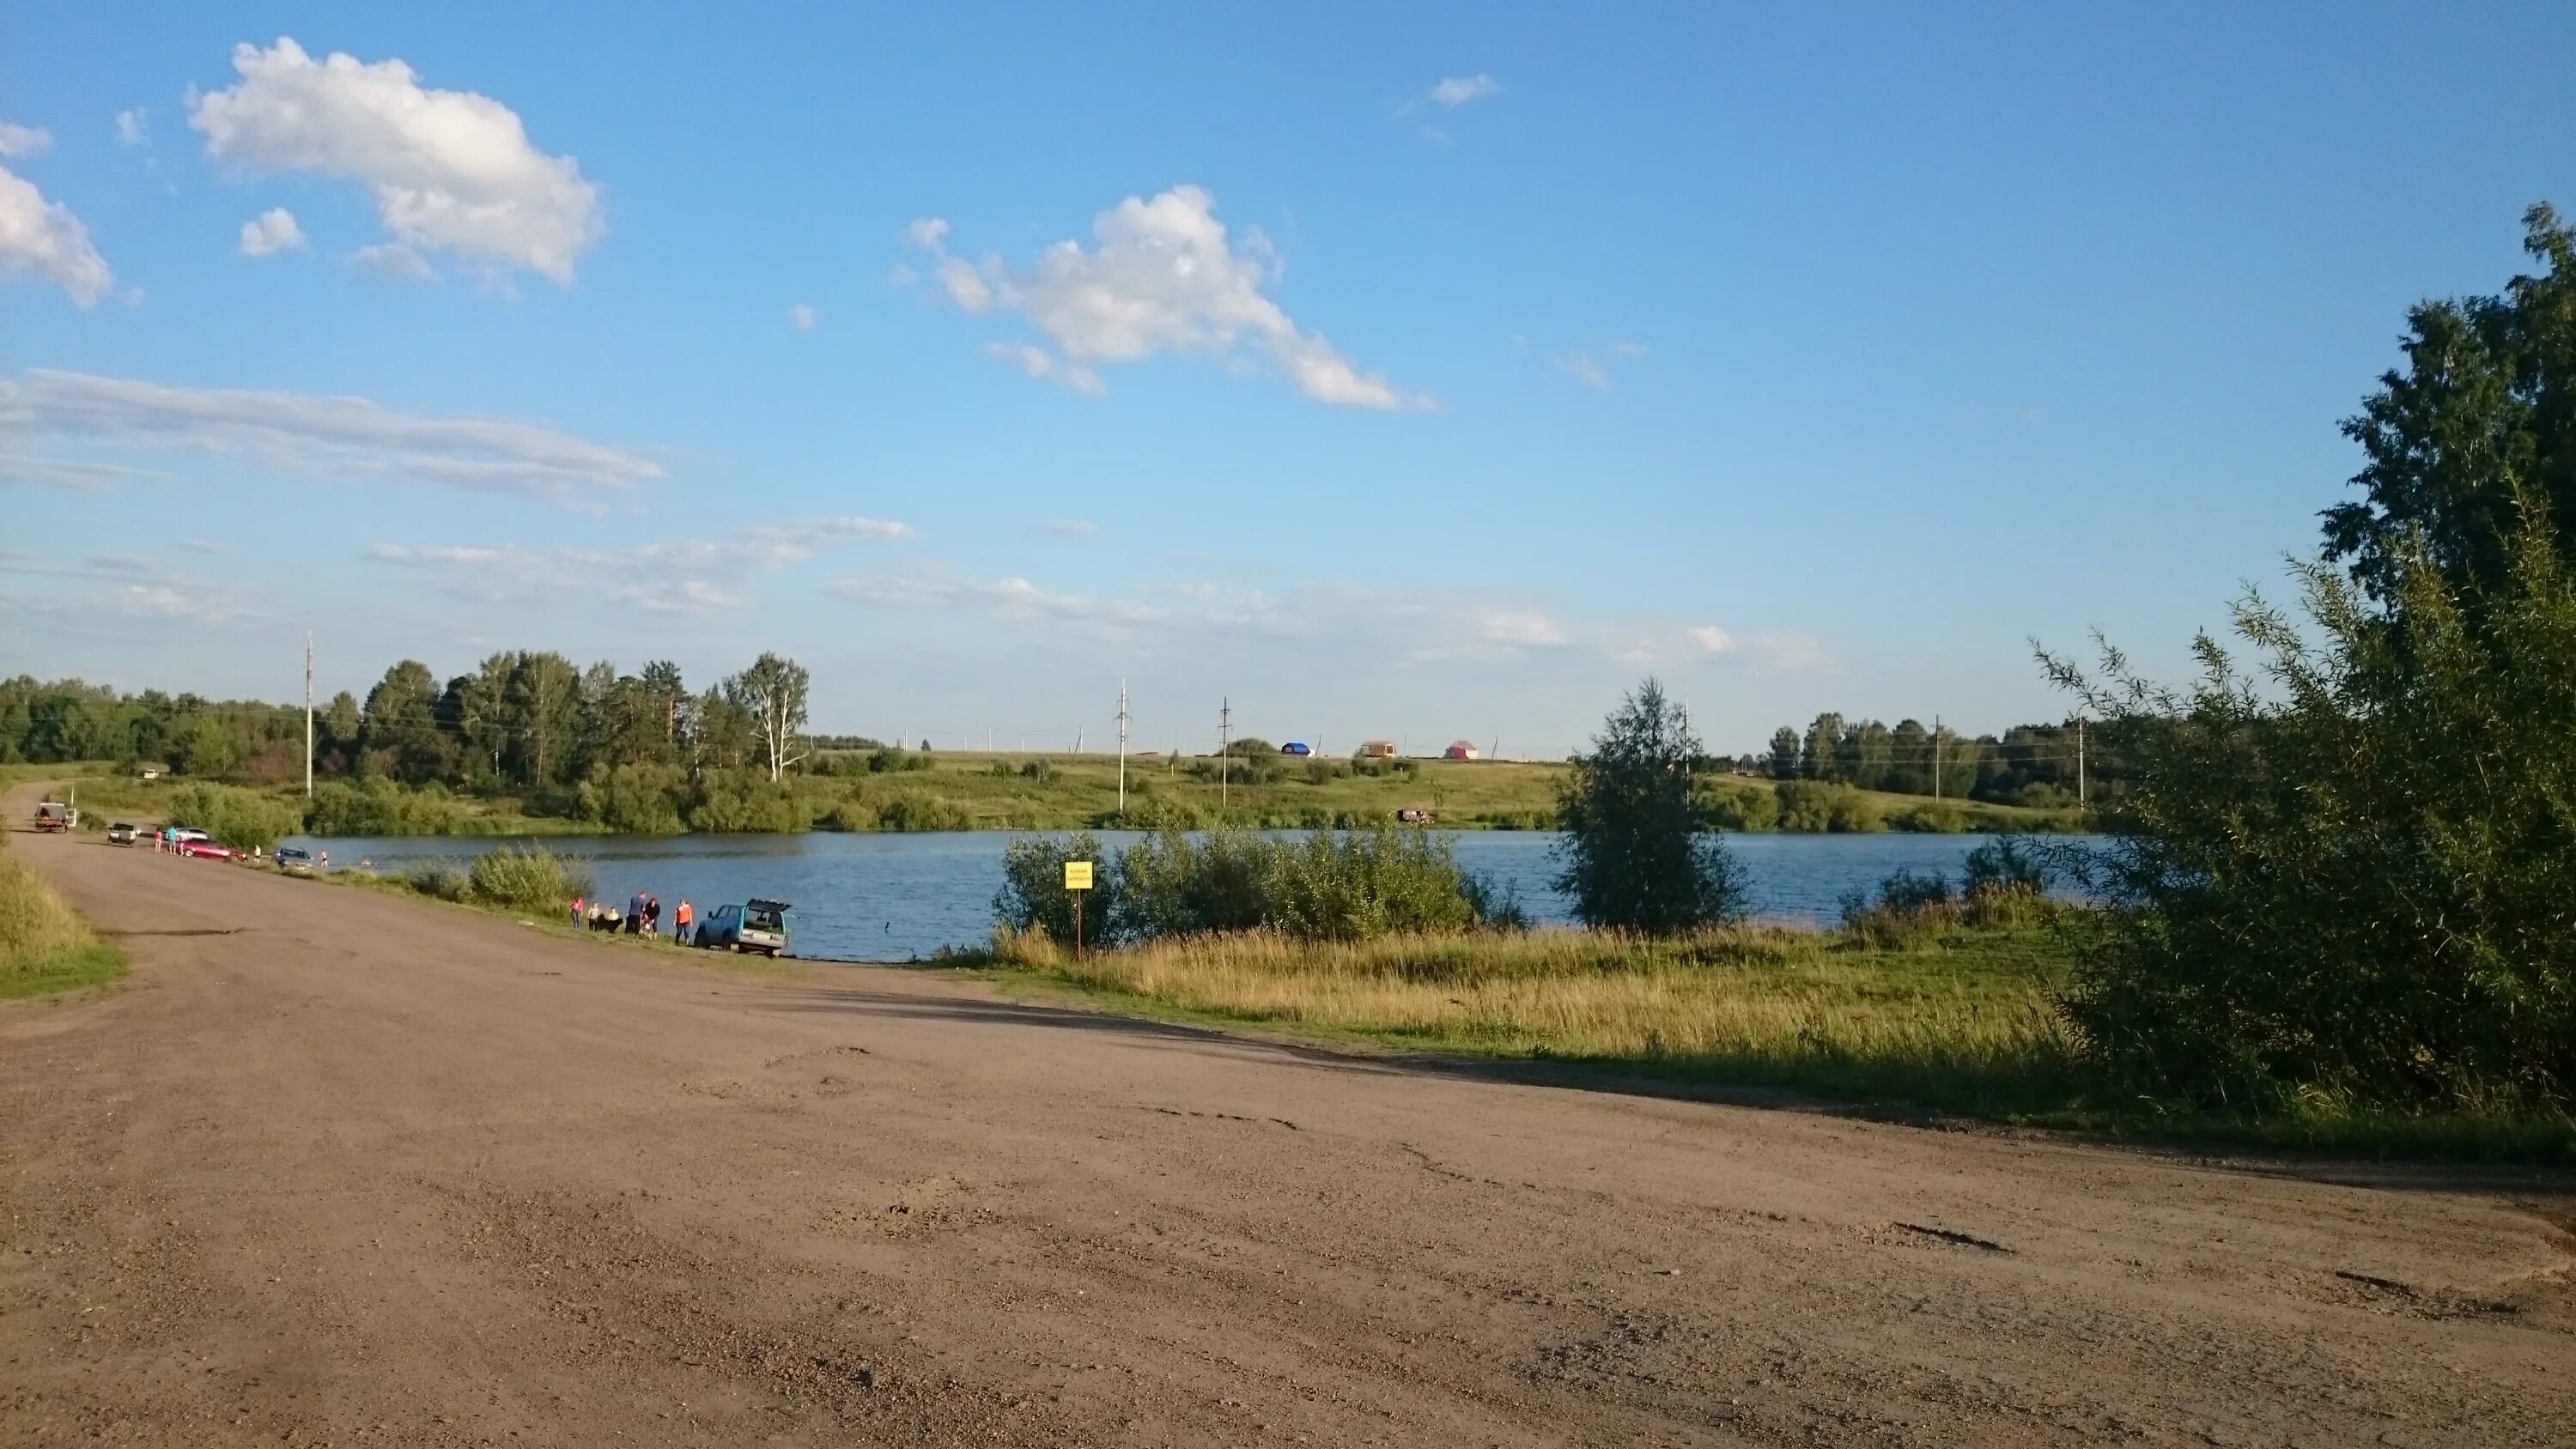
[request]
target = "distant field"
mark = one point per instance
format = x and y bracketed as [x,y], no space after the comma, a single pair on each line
[976,790]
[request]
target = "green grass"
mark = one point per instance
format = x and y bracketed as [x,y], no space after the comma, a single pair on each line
[1966,1023]
[44,944]
[996,791]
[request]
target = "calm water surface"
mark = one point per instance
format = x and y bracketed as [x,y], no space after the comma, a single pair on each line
[901,897]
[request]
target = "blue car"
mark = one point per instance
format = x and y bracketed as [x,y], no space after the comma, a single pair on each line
[1295,747]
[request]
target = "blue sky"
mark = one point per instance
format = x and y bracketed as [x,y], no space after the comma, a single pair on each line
[1809,361]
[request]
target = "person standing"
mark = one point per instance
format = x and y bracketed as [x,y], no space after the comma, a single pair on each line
[680,922]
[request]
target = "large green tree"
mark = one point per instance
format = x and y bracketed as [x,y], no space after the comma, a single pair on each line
[771,693]
[1637,854]
[2485,405]
[2342,875]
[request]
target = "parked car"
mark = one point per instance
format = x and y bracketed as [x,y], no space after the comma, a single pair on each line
[203,849]
[121,833]
[295,860]
[1295,747]
[185,834]
[752,926]
[1413,815]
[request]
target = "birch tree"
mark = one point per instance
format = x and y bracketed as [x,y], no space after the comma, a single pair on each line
[772,692]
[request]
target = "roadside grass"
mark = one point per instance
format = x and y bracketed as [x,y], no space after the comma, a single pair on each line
[45,946]
[1963,1022]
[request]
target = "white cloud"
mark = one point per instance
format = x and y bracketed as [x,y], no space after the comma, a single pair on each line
[965,287]
[1329,620]
[1163,277]
[1458,90]
[802,316]
[1036,361]
[1592,370]
[317,435]
[133,127]
[393,259]
[271,232]
[1531,627]
[44,239]
[81,474]
[450,170]
[663,578]
[1067,527]
[1584,370]
[17,140]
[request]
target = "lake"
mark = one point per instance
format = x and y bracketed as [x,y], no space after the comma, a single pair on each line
[895,897]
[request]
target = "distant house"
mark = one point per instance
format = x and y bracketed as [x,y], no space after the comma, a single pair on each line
[1459,750]
[1377,750]
[1295,747]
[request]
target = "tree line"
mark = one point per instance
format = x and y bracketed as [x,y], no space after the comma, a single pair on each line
[2045,766]
[526,722]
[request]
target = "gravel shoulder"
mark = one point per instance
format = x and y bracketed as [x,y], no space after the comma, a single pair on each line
[338,1167]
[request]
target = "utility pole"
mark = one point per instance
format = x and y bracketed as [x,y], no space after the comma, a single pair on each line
[1936,757]
[1224,752]
[1122,749]
[308,714]
[2079,764]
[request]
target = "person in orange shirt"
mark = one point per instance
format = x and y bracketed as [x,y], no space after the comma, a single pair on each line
[680,923]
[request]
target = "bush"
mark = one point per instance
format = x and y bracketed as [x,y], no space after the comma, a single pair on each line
[1931,818]
[1321,887]
[858,812]
[745,804]
[633,799]
[242,819]
[1033,900]
[895,760]
[444,879]
[924,812]
[378,806]
[1364,884]
[1817,807]
[528,877]
[1745,810]
[2350,880]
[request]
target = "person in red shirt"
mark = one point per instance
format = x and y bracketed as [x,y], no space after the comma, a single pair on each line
[680,922]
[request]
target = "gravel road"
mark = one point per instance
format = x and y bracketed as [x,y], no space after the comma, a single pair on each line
[339,1168]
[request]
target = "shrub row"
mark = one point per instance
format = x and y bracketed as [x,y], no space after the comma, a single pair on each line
[1323,886]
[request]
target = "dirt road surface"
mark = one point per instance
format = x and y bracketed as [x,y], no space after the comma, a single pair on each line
[339,1168]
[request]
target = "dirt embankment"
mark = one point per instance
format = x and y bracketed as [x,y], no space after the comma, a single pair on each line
[335,1167]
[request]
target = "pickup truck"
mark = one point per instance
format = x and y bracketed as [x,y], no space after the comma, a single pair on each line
[753,926]
[54,817]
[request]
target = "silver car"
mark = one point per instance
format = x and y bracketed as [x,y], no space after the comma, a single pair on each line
[753,926]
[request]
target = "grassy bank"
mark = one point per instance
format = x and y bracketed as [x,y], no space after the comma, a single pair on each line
[1964,1022]
[44,944]
[915,790]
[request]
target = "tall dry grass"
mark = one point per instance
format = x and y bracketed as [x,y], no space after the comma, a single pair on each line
[44,944]
[1976,1026]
